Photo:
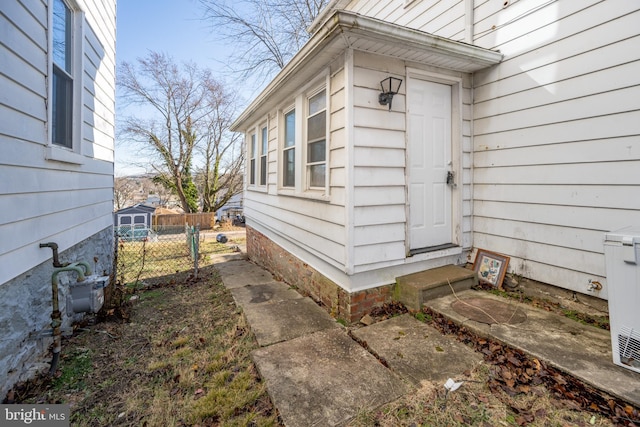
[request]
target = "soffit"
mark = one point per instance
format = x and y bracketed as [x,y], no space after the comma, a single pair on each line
[347,30]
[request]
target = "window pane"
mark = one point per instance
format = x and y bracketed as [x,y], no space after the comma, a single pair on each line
[253,146]
[62,35]
[317,173]
[288,173]
[265,143]
[317,103]
[62,109]
[290,129]
[252,172]
[263,170]
[317,127]
[317,152]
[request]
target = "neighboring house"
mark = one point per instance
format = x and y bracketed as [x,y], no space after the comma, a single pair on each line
[529,107]
[57,104]
[232,208]
[139,215]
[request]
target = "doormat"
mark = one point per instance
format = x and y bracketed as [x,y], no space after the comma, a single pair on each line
[489,311]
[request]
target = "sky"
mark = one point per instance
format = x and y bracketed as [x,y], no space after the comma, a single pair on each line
[174,27]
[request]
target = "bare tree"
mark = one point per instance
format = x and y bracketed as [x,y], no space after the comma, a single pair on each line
[179,102]
[123,189]
[221,175]
[265,33]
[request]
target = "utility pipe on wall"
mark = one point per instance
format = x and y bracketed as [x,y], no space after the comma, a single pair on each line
[83,269]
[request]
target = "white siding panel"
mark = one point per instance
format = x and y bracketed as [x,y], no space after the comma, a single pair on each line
[377,176]
[379,195]
[370,156]
[371,137]
[620,173]
[605,196]
[602,219]
[50,199]
[372,215]
[379,234]
[610,79]
[585,38]
[617,101]
[378,254]
[548,77]
[566,258]
[598,150]
[610,126]
[569,237]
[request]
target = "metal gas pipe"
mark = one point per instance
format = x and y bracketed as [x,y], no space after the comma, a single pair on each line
[82,269]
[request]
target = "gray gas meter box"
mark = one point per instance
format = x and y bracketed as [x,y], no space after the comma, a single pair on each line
[87,296]
[622,257]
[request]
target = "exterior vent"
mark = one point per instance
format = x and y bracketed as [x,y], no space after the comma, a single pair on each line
[629,348]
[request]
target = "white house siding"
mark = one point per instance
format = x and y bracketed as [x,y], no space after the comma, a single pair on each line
[42,199]
[312,229]
[442,18]
[556,151]
[379,175]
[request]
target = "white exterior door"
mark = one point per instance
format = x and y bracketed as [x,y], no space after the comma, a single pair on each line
[429,162]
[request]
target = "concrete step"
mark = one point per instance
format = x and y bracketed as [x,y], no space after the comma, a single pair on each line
[415,289]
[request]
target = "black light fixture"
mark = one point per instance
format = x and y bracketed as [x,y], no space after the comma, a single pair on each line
[390,86]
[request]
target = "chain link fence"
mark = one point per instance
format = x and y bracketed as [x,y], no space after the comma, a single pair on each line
[161,254]
[168,254]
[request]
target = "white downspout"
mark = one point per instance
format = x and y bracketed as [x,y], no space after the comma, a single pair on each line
[468,21]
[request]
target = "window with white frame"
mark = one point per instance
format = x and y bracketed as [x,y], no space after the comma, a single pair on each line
[264,144]
[289,150]
[253,163]
[316,139]
[62,57]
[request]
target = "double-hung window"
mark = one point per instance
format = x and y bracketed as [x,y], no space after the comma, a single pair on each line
[63,78]
[253,153]
[289,150]
[316,139]
[264,144]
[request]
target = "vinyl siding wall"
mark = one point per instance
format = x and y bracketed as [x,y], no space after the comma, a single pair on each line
[442,18]
[379,174]
[556,135]
[313,230]
[45,200]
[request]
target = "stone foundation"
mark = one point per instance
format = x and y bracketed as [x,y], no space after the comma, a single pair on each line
[286,267]
[26,308]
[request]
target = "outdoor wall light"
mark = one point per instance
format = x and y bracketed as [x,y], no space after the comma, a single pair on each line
[390,86]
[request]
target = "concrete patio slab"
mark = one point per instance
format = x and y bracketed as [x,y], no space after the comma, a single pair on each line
[324,379]
[580,350]
[268,293]
[285,320]
[237,273]
[417,351]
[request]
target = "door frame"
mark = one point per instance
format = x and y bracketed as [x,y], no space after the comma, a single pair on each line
[456,155]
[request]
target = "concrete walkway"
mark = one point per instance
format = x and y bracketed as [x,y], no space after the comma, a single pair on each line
[319,373]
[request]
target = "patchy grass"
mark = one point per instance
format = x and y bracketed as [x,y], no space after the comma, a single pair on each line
[182,360]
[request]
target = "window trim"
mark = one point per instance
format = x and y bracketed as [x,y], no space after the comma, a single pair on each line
[263,155]
[56,152]
[253,172]
[307,163]
[295,148]
[257,156]
[299,102]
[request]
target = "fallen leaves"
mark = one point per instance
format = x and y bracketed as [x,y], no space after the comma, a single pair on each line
[513,373]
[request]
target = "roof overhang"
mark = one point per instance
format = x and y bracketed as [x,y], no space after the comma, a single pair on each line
[344,30]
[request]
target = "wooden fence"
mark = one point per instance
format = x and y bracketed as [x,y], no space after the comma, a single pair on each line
[206,220]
